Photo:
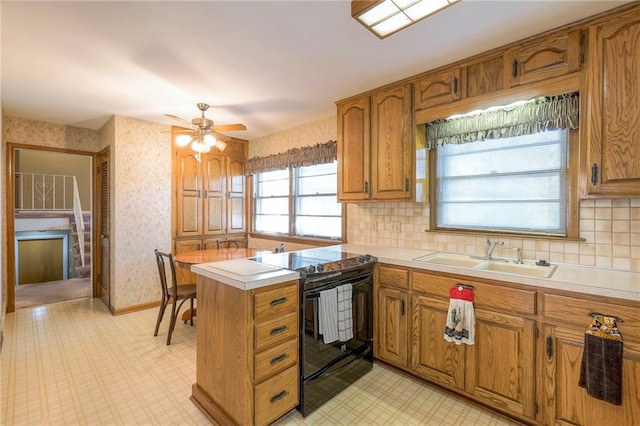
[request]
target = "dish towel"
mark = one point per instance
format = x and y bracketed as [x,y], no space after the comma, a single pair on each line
[328,315]
[601,368]
[461,321]
[345,313]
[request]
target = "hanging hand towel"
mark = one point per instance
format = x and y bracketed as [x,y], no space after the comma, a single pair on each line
[328,315]
[345,313]
[601,368]
[461,322]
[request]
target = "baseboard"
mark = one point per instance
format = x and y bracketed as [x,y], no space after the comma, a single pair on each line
[135,308]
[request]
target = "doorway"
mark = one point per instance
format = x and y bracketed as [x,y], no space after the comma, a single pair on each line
[49,218]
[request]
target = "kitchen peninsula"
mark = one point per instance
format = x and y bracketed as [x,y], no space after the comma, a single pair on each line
[246,375]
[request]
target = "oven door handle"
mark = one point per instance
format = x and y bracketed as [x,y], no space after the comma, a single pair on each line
[324,373]
[315,293]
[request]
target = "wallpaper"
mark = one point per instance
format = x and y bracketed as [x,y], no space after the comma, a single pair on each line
[305,135]
[31,132]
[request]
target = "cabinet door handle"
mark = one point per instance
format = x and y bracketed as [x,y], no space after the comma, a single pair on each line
[278,330]
[279,358]
[406,184]
[515,68]
[279,301]
[366,187]
[402,307]
[206,193]
[549,347]
[278,396]
[594,174]
[199,193]
[455,84]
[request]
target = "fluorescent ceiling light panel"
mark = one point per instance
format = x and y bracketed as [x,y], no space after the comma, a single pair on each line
[385,17]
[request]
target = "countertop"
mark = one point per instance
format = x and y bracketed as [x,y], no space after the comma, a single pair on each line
[246,274]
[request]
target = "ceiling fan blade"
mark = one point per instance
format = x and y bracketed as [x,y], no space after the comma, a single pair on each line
[220,136]
[176,118]
[229,127]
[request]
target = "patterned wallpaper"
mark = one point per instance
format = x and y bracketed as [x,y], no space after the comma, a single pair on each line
[31,132]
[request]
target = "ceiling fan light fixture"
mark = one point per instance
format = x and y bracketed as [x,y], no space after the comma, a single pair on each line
[210,140]
[386,17]
[201,147]
[183,140]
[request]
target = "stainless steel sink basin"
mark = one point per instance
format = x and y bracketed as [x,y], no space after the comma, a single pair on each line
[464,261]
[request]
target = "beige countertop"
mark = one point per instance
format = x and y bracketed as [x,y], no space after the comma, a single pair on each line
[244,274]
[581,279]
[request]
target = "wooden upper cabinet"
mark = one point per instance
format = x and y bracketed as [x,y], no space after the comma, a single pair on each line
[540,59]
[484,77]
[188,194]
[437,88]
[214,194]
[236,203]
[613,108]
[392,144]
[354,149]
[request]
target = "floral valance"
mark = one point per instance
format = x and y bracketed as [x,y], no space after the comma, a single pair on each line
[546,113]
[296,157]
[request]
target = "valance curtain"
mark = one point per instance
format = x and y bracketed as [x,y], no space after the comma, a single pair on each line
[546,113]
[296,157]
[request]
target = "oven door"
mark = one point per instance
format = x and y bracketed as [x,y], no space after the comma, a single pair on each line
[316,354]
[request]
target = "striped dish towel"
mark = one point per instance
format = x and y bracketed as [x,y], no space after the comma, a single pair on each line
[345,313]
[328,315]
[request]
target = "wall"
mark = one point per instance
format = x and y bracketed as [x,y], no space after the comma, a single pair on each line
[304,135]
[140,165]
[610,228]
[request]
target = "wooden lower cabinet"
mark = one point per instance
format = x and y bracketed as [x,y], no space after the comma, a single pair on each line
[247,370]
[432,357]
[393,326]
[501,364]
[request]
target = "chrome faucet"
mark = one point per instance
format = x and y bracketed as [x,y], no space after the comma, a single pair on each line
[518,251]
[488,250]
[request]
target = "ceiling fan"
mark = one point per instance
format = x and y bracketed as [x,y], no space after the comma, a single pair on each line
[203,134]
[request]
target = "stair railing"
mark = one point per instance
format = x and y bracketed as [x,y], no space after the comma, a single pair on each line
[77,213]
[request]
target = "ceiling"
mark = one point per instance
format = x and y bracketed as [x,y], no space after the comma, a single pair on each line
[271,65]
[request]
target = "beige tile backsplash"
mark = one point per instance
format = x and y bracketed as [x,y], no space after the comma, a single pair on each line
[610,230]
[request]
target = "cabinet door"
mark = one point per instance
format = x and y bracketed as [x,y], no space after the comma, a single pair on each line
[391,144]
[188,209]
[354,143]
[214,176]
[236,211]
[392,326]
[552,56]
[613,119]
[501,366]
[432,357]
[437,88]
[568,403]
[484,77]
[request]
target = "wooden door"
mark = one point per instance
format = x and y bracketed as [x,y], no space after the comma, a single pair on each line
[432,357]
[613,109]
[354,142]
[568,403]
[103,246]
[214,186]
[188,194]
[392,144]
[545,58]
[236,196]
[393,326]
[501,364]
[437,88]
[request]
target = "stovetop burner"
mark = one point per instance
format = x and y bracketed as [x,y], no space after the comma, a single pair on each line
[315,261]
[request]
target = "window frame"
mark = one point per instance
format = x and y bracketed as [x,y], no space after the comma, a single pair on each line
[290,236]
[572,210]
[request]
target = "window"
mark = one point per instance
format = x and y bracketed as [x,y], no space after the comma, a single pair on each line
[300,202]
[515,184]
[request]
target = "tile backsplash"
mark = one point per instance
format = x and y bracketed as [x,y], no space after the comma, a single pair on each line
[610,230]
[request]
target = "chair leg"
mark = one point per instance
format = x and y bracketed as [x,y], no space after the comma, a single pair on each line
[163,307]
[172,324]
[191,316]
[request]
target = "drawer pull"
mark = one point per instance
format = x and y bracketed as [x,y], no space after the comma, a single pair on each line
[278,396]
[278,330]
[279,301]
[279,358]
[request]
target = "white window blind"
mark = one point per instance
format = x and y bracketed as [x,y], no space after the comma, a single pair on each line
[515,184]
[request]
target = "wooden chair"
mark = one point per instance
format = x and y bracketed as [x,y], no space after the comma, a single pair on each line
[231,243]
[172,295]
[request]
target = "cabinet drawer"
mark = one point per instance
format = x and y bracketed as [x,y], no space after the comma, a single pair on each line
[276,396]
[393,277]
[486,296]
[273,361]
[275,303]
[569,310]
[278,330]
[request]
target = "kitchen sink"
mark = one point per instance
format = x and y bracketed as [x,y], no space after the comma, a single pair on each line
[503,266]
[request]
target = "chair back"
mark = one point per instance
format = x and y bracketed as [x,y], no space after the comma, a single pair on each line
[163,259]
[231,243]
[279,249]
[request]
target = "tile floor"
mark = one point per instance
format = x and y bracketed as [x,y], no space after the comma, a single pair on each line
[73,363]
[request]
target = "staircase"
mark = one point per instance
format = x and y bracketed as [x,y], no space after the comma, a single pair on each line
[83,271]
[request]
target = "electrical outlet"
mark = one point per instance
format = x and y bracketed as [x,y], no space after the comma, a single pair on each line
[395,227]
[374,226]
